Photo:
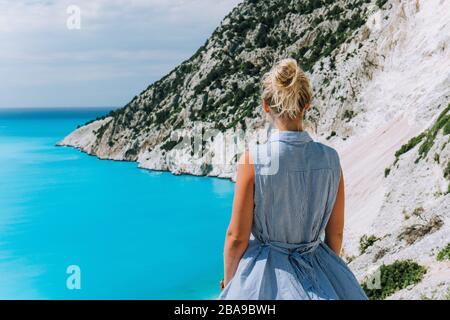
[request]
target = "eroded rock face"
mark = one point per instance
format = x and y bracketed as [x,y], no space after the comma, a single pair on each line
[380,75]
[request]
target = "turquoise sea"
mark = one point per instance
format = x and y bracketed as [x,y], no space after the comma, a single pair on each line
[135,234]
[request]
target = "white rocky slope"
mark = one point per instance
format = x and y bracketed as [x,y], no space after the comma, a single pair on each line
[386,82]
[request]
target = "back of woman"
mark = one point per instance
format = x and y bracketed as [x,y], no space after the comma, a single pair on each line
[294,202]
[285,234]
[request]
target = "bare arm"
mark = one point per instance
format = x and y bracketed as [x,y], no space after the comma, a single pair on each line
[334,231]
[239,229]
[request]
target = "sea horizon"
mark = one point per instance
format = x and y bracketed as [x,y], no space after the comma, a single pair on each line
[63,108]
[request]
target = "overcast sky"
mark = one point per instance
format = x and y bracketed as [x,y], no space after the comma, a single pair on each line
[121,47]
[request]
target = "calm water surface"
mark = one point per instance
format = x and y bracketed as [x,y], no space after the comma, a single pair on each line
[135,234]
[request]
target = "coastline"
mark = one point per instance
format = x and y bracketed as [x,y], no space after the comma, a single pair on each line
[138,165]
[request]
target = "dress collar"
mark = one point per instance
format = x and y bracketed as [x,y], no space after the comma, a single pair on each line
[290,136]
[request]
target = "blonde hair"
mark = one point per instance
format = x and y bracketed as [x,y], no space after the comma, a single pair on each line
[286,88]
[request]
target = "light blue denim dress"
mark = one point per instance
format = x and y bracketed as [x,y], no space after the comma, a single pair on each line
[296,181]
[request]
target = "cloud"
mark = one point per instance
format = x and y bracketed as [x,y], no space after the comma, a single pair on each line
[135,40]
[33,16]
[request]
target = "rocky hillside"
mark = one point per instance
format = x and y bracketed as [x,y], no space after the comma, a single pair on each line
[381,75]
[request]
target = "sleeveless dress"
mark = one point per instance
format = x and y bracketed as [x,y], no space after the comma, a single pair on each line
[296,182]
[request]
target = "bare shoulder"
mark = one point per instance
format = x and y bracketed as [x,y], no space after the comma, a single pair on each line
[245,165]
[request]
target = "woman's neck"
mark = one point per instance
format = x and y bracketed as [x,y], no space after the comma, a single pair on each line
[289,125]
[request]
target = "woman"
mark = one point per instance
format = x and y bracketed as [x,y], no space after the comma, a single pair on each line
[289,192]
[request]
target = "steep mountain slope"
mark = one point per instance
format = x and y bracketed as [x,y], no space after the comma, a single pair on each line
[218,87]
[381,73]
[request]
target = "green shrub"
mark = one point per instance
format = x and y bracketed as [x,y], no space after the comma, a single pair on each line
[170,144]
[409,145]
[387,171]
[381,3]
[332,134]
[248,68]
[132,152]
[93,120]
[212,76]
[304,7]
[334,12]
[261,36]
[348,115]
[162,116]
[440,123]
[206,168]
[437,158]
[317,20]
[356,21]
[101,131]
[427,138]
[444,254]
[365,242]
[447,170]
[394,277]
[447,127]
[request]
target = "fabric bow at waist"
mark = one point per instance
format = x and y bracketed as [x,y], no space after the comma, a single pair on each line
[301,264]
[292,248]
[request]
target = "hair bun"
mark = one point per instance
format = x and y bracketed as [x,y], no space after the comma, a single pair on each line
[286,73]
[286,88]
